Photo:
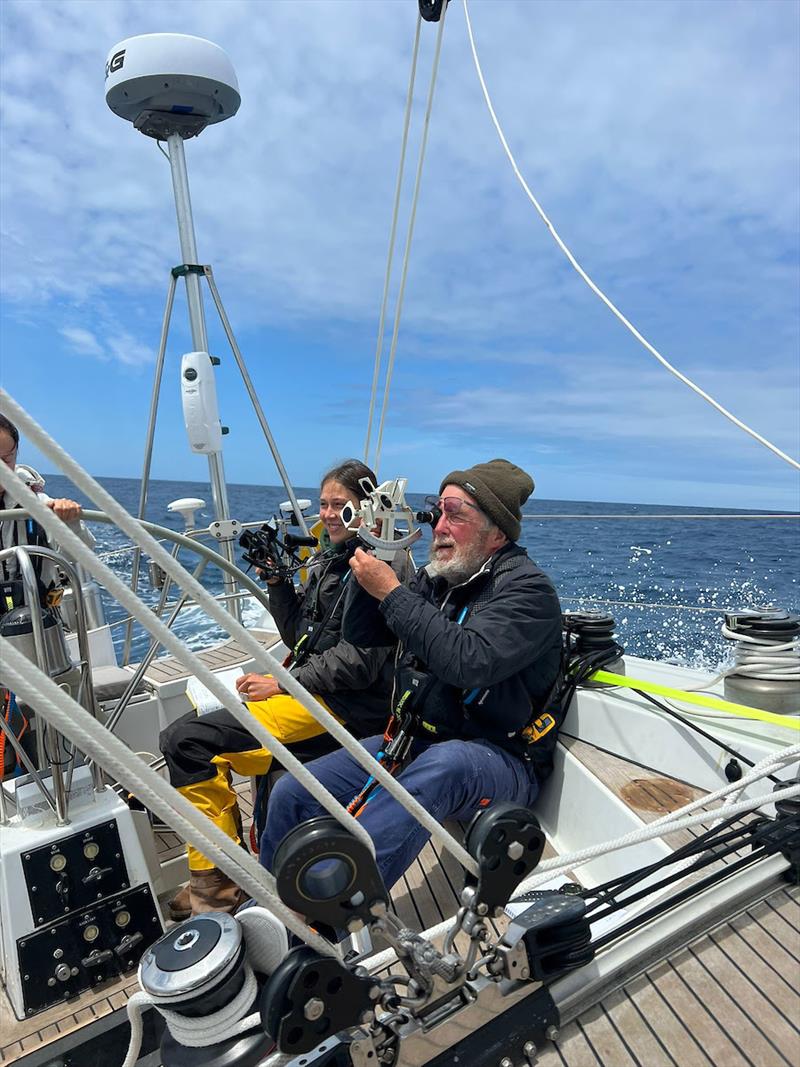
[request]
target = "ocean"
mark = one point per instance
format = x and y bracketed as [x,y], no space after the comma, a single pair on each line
[667,581]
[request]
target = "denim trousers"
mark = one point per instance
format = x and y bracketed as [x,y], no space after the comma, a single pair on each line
[450,779]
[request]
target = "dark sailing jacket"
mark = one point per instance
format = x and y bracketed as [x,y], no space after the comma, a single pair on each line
[354,682]
[489,651]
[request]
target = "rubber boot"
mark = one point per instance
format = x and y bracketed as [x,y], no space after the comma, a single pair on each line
[180,907]
[214,891]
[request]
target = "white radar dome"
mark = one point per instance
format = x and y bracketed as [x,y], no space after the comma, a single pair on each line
[171,83]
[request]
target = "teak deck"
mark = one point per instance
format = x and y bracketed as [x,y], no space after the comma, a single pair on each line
[730,998]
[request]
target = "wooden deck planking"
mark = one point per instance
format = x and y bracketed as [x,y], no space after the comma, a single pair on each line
[228,654]
[668,1016]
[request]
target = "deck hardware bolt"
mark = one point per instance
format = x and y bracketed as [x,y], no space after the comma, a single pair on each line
[314,1009]
[515,850]
[552,1033]
[483,909]
[27,978]
[27,855]
[51,981]
[58,953]
[524,973]
[506,1062]
[74,972]
[29,1011]
[34,889]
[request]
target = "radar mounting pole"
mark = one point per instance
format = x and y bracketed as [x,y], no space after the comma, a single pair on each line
[197,323]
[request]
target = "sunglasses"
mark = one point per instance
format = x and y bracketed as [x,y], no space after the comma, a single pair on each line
[454,507]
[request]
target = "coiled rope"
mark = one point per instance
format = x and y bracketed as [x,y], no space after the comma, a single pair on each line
[595,289]
[265,946]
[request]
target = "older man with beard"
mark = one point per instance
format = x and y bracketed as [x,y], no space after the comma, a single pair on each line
[478,660]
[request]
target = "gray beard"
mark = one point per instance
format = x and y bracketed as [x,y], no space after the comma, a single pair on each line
[458,569]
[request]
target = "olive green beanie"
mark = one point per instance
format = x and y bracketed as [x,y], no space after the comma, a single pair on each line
[500,489]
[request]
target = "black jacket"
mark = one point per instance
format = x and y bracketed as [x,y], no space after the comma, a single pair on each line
[354,682]
[492,646]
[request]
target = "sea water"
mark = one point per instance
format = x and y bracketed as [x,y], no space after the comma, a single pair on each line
[667,582]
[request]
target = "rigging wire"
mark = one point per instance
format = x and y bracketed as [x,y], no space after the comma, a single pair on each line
[409,236]
[392,236]
[595,289]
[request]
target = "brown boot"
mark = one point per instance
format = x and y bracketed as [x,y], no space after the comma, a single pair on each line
[214,891]
[180,907]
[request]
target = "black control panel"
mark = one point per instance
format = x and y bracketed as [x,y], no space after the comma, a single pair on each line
[91,946]
[75,872]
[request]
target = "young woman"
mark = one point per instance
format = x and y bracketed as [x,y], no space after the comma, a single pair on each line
[353,683]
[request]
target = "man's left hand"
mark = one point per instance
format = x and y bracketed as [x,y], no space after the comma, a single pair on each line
[66,510]
[373,575]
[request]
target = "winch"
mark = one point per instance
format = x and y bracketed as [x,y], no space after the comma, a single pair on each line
[766,671]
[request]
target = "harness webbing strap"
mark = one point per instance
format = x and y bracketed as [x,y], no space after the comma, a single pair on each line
[700,699]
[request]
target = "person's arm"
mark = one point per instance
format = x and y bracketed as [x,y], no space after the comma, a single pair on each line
[342,667]
[510,632]
[362,622]
[285,602]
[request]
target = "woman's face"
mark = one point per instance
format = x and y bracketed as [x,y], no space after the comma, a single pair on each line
[332,498]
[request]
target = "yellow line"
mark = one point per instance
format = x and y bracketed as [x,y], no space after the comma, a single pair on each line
[698,698]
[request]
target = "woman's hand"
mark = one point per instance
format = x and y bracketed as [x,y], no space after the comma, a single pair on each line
[373,575]
[66,510]
[257,686]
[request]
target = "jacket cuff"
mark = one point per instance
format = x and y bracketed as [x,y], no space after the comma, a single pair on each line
[396,604]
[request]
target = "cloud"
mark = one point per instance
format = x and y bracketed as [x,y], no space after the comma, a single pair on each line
[116,344]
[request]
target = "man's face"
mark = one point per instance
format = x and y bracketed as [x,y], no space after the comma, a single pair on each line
[463,538]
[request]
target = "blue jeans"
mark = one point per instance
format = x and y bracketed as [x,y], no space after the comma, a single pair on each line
[450,779]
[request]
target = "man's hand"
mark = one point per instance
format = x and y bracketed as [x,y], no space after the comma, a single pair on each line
[373,575]
[66,510]
[257,686]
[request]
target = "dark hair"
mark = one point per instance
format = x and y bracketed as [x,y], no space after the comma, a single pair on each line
[348,473]
[8,426]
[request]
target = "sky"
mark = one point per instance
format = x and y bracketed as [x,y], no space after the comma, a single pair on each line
[663,140]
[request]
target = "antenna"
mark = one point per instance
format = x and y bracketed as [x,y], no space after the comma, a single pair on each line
[171,86]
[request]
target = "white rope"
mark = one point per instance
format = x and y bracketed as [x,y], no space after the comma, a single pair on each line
[406,255]
[77,724]
[392,236]
[264,949]
[766,661]
[573,261]
[263,660]
[665,825]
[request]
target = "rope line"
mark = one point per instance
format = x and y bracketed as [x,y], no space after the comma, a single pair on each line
[392,235]
[263,660]
[406,254]
[595,289]
[666,824]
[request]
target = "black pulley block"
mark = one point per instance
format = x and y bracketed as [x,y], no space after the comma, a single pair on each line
[431,10]
[507,842]
[310,997]
[328,875]
[556,932]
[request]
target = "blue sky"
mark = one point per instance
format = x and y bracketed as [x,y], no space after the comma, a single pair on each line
[662,138]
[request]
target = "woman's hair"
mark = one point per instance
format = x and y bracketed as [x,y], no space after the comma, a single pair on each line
[349,473]
[10,428]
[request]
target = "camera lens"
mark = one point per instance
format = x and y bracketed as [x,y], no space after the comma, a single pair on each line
[326,878]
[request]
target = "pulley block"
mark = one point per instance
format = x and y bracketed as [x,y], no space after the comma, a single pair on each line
[507,842]
[328,875]
[431,10]
[310,997]
[556,933]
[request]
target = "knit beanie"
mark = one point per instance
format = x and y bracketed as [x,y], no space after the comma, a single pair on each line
[500,489]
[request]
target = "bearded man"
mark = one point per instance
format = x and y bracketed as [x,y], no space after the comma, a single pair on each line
[478,632]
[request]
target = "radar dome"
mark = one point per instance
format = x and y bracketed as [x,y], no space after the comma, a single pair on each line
[171,83]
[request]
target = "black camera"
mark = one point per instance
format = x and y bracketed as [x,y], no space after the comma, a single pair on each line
[273,557]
